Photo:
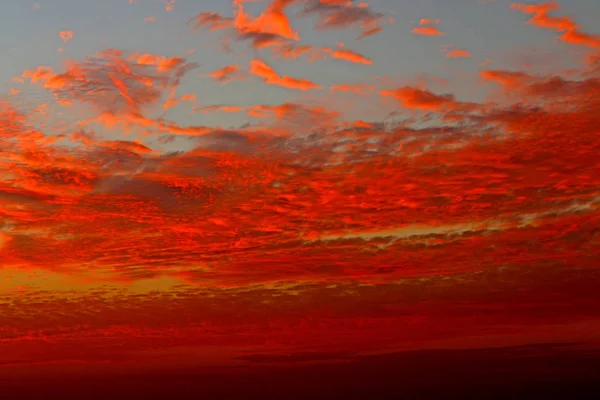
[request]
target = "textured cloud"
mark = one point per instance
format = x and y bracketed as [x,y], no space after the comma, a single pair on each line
[345,14]
[273,21]
[313,226]
[212,20]
[271,28]
[111,83]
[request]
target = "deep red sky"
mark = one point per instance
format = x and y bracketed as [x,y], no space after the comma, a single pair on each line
[307,236]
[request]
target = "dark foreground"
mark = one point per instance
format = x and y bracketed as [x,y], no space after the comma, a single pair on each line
[528,372]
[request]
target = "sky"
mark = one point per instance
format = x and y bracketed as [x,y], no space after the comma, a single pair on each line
[234,186]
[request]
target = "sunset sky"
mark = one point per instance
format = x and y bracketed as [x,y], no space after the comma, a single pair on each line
[246,185]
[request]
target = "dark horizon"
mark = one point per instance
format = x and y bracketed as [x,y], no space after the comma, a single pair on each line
[536,371]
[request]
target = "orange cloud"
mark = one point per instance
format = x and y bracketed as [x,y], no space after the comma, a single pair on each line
[581,38]
[213,20]
[411,97]
[133,147]
[427,31]
[191,97]
[122,85]
[224,74]
[293,52]
[541,18]
[271,28]
[273,21]
[358,89]
[426,21]
[363,124]
[267,73]
[370,32]
[169,5]
[510,79]
[349,55]
[66,35]
[163,64]
[219,108]
[295,111]
[4,239]
[458,53]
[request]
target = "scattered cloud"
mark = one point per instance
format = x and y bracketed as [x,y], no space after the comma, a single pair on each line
[66,35]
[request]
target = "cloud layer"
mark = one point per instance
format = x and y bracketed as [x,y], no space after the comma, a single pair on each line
[307,228]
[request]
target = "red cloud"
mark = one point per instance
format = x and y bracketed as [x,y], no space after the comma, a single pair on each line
[329,219]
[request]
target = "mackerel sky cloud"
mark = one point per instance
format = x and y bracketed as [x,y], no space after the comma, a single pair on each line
[258,186]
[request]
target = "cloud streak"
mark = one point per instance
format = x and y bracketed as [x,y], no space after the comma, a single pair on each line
[270,77]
